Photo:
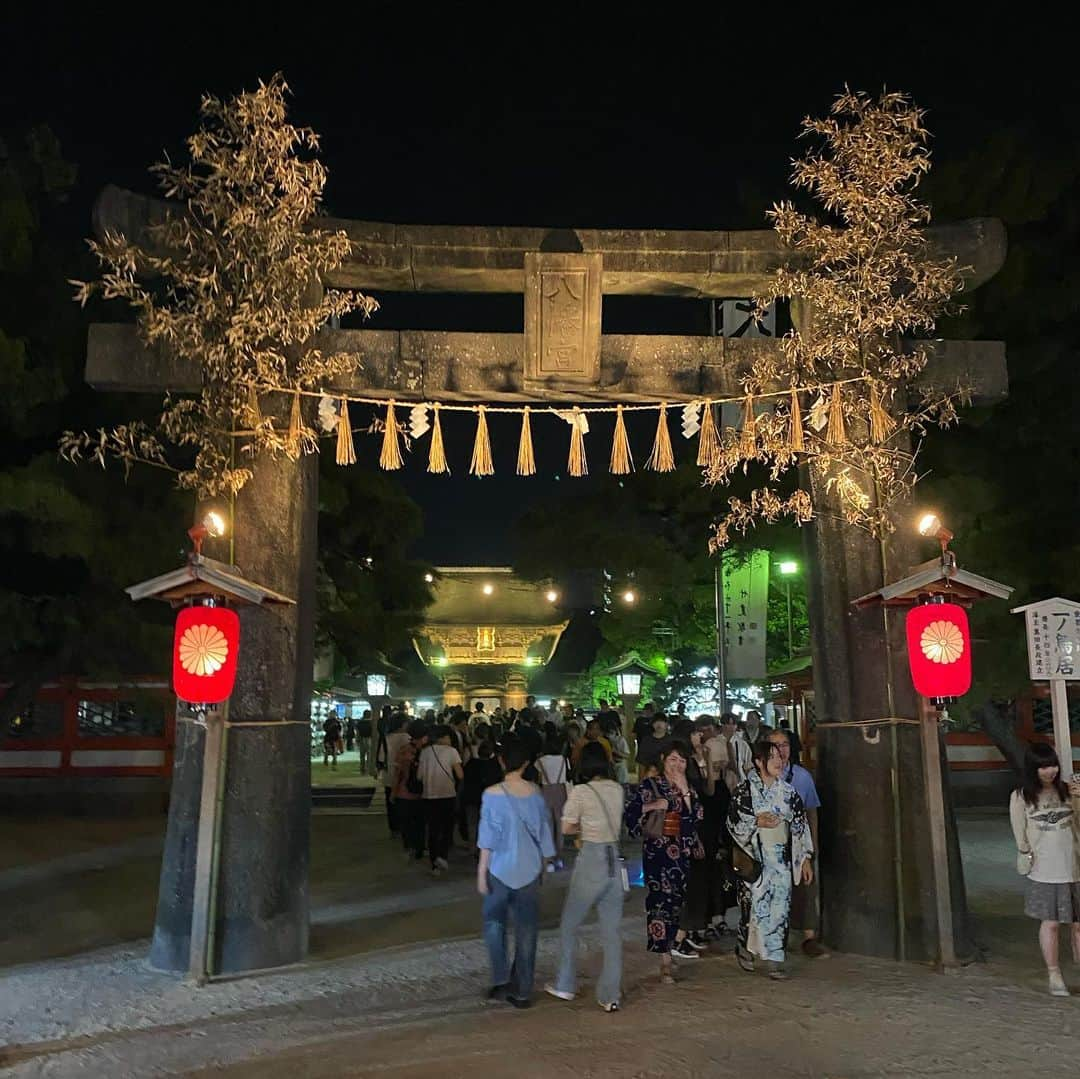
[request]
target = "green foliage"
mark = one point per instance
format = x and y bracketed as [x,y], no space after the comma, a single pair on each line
[364,607]
[70,540]
[650,532]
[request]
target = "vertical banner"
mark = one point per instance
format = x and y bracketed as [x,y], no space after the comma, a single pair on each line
[746,602]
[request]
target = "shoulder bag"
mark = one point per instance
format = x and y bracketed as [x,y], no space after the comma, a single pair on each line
[611,856]
[744,865]
[652,824]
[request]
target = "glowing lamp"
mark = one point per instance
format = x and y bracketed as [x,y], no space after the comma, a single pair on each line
[212,525]
[376,685]
[488,589]
[629,683]
[939,649]
[629,596]
[551,595]
[931,527]
[789,569]
[206,645]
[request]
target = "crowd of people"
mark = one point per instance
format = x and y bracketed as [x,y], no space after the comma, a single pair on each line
[725,814]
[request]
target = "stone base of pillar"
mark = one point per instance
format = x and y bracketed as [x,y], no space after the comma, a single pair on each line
[261,917]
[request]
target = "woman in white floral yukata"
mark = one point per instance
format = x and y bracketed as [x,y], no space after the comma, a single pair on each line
[768,821]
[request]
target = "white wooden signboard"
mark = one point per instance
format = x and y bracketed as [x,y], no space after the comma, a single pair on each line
[1053,640]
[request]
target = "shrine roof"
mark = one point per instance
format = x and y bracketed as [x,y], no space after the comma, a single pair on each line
[461,599]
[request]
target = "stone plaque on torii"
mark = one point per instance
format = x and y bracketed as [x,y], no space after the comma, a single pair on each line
[859,669]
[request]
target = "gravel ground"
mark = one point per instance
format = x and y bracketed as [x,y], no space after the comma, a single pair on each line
[415,1010]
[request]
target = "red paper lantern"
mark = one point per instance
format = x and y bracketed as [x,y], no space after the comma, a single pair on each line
[939,649]
[205,649]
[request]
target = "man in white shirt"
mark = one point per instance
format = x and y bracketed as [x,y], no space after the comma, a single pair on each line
[753,727]
[440,771]
[739,754]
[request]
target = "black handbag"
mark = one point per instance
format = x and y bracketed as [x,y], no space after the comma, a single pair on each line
[743,865]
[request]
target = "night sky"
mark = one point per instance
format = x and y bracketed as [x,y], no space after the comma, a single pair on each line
[656,121]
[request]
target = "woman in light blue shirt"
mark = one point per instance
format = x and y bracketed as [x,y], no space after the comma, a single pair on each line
[514,839]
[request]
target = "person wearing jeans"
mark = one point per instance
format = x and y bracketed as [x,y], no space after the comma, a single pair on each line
[514,840]
[594,811]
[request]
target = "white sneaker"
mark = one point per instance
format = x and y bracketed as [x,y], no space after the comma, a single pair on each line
[1058,988]
[561,994]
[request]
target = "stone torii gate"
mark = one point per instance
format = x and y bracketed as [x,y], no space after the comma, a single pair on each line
[875,863]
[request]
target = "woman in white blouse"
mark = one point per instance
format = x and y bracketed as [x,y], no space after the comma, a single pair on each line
[1046,824]
[594,811]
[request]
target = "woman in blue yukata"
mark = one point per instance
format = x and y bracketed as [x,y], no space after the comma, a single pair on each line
[668,844]
[768,821]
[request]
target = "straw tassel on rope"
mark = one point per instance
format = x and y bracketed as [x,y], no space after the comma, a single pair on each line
[748,440]
[662,459]
[526,461]
[292,435]
[796,442]
[390,458]
[622,460]
[436,452]
[577,465]
[708,440]
[834,433]
[482,464]
[881,423]
[346,450]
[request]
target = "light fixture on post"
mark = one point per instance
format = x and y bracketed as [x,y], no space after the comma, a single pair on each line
[212,526]
[378,689]
[628,673]
[939,657]
[206,651]
[930,527]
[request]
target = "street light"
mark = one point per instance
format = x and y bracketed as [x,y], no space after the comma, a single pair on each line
[628,673]
[629,596]
[212,525]
[787,571]
[376,685]
[931,527]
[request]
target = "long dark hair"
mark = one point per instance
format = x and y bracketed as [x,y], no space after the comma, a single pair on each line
[1041,755]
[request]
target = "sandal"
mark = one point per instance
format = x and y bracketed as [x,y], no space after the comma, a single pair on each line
[744,959]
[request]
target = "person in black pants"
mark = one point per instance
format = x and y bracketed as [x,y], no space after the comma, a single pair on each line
[409,806]
[440,773]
